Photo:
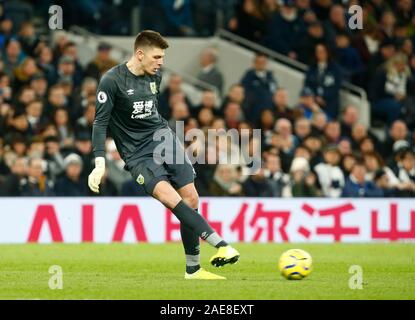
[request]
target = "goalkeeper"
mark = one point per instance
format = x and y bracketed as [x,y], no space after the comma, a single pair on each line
[127,105]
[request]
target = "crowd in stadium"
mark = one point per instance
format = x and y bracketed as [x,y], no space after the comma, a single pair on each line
[312,148]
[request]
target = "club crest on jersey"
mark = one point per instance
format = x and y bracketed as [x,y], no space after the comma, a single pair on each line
[140,179]
[153,87]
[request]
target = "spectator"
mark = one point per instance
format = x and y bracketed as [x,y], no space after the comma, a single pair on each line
[349,118]
[359,132]
[66,71]
[329,174]
[357,186]
[259,85]
[178,18]
[304,48]
[70,49]
[101,63]
[45,63]
[266,125]
[11,184]
[322,8]
[307,106]
[84,96]
[284,140]
[386,51]
[405,171]
[205,16]
[398,131]
[225,182]
[367,43]
[19,12]
[208,101]
[275,176]
[56,99]
[172,93]
[14,55]
[286,28]
[36,184]
[85,122]
[180,112]
[332,132]
[28,38]
[6,31]
[236,94]
[324,79]
[302,129]
[257,185]
[336,24]
[18,125]
[374,162]
[302,179]
[54,157]
[24,73]
[233,115]
[314,144]
[205,118]
[280,105]
[319,122]
[65,130]
[71,184]
[382,181]
[404,11]
[345,146]
[39,84]
[389,89]
[348,58]
[24,97]
[250,20]
[83,147]
[366,145]
[210,73]
[35,117]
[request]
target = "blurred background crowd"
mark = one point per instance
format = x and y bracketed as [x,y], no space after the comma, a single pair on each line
[310,148]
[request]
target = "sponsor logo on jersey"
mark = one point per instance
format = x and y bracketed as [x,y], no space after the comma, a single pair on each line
[142,109]
[140,179]
[102,97]
[130,92]
[153,87]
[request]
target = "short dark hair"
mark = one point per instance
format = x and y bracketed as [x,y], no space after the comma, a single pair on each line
[150,38]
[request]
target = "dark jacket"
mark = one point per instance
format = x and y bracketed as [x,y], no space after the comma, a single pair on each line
[326,85]
[258,92]
[257,188]
[284,34]
[367,190]
[66,187]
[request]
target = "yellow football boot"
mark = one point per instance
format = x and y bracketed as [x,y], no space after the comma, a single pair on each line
[224,256]
[202,274]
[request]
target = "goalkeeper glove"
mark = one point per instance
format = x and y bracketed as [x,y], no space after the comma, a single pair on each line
[94,179]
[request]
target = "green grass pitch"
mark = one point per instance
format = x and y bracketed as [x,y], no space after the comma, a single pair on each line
[150,271]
